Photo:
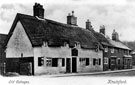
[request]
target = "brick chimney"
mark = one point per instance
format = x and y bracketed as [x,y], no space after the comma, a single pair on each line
[88,25]
[102,29]
[71,19]
[38,10]
[115,36]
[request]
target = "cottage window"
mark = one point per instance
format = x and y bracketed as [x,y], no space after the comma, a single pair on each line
[105,60]
[97,48]
[99,61]
[106,49]
[48,62]
[94,61]
[74,52]
[77,45]
[54,62]
[84,61]
[40,61]
[63,61]
[87,61]
[45,44]
[112,50]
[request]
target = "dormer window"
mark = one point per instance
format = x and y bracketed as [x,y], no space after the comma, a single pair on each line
[66,44]
[97,48]
[106,49]
[45,44]
[77,45]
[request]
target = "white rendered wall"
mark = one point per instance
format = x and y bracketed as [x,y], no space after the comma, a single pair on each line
[65,52]
[19,43]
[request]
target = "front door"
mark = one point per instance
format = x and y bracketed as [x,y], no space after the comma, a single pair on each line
[113,64]
[74,65]
[68,70]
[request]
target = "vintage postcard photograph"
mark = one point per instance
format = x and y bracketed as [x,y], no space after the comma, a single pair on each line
[67,42]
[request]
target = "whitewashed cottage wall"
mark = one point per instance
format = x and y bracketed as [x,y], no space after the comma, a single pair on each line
[65,52]
[52,52]
[19,43]
[91,54]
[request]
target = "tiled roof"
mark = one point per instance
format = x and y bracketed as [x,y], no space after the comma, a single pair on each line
[101,38]
[53,32]
[118,44]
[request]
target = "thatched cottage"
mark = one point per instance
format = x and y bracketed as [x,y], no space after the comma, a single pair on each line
[36,45]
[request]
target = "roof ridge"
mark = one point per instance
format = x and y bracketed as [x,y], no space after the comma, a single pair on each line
[51,21]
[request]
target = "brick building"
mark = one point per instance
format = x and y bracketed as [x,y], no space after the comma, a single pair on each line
[116,55]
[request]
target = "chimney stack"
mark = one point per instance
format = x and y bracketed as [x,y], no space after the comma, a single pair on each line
[38,10]
[71,19]
[102,29]
[88,25]
[115,36]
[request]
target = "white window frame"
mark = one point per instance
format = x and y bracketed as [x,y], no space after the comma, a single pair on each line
[50,62]
[41,61]
[105,60]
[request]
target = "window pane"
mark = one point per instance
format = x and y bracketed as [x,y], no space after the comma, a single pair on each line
[94,61]
[54,62]
[40,61]
[99,61]
[48,62]
[63,61]
[105,60]
[87,61]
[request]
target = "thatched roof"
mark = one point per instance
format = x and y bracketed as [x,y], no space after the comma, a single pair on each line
[101,38]
[54,33]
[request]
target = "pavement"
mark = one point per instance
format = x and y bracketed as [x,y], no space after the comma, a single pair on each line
[90,73]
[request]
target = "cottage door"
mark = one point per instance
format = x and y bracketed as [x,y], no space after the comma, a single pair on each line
[68,63]
[113,64]
[74,65]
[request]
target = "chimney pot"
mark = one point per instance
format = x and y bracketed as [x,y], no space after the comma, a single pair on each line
[102,29]
[115,35]
[71,19]
[88,25]
[38,10]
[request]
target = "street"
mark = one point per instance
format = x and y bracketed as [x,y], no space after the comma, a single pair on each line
[101,78]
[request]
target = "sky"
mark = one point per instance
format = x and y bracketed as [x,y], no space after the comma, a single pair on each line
[113,14]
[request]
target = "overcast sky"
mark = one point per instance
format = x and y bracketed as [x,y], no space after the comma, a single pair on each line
[114,14]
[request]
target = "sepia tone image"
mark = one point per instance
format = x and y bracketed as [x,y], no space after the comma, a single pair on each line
[73,41]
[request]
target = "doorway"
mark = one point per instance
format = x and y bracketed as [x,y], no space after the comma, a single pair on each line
[74,65]
[113,64]
[68,61]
